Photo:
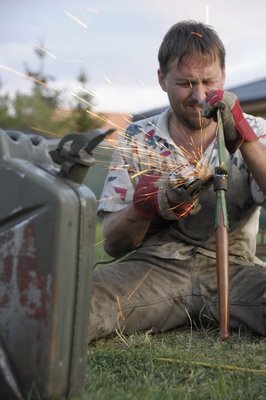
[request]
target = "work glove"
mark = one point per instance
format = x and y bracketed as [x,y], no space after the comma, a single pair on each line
[236,128]
[169,195]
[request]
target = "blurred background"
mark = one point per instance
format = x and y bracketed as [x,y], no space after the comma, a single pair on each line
[110,47]
[74,65]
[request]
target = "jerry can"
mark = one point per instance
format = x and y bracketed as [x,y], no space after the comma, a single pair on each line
[47,227]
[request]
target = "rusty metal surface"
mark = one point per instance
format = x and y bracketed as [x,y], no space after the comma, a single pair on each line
[45,262]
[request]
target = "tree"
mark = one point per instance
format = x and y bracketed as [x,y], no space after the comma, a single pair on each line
[32,112]
[42,110]
[82,119]
[35,110]
[4,109]
[40,80]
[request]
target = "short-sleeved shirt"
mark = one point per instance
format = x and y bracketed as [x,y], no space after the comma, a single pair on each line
[147,145]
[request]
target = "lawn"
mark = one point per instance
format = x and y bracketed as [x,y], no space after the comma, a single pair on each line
[191,363]
[183,364]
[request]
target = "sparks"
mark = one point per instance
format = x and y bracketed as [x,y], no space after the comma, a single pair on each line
[103,119]
[121,315]
[140,283]
[107,79]
[197,34]
[100,242]
[48,53]
[21,74]
[139,173]
[75,19]
[92,92]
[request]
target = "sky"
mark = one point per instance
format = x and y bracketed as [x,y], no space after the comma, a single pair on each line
[115,42]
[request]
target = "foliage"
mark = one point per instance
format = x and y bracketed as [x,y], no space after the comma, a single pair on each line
[4,110]
[41,81]
[81,118]
[41,109]
[31,111]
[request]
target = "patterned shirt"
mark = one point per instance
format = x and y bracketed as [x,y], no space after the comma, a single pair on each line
[147,145]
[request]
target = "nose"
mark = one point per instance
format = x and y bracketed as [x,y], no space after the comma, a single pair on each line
[198,92]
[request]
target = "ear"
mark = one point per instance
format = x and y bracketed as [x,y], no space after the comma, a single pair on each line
[162,80]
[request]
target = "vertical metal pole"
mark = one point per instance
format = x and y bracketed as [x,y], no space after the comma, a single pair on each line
[221,234]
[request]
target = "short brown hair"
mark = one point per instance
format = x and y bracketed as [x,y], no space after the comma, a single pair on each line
[187,38]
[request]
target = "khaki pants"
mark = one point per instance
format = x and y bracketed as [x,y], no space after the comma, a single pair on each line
[141,293]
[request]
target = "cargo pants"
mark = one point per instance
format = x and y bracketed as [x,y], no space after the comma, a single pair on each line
[142,293]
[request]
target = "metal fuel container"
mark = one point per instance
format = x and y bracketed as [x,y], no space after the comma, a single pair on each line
[47,226]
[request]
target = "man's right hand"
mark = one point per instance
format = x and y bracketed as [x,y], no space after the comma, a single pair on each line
[155,196]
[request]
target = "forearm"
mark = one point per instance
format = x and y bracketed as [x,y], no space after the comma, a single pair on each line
[123,231]
[254,154]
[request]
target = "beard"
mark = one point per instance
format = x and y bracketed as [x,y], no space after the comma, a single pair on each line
[191,118]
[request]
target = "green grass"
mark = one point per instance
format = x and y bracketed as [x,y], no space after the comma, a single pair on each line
[185,364]
[181,364]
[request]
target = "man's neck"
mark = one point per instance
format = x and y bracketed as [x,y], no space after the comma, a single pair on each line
[191,140]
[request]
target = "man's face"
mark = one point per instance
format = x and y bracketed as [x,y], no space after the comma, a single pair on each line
[188,84]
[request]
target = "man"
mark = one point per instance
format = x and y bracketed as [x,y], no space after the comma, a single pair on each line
[158,202]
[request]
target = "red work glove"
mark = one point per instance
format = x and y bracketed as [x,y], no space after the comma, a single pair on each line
[236,128]
[154,197]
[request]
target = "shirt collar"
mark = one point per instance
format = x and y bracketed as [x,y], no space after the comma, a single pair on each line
[162,129]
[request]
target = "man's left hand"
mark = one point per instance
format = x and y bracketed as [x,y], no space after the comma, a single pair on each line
[236,128]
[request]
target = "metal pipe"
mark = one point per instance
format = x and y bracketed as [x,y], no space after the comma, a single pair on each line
[221,235]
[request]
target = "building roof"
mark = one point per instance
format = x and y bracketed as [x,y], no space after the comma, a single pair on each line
[253,91]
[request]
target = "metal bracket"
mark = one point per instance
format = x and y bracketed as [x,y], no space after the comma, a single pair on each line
[220,179]
[74,153]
